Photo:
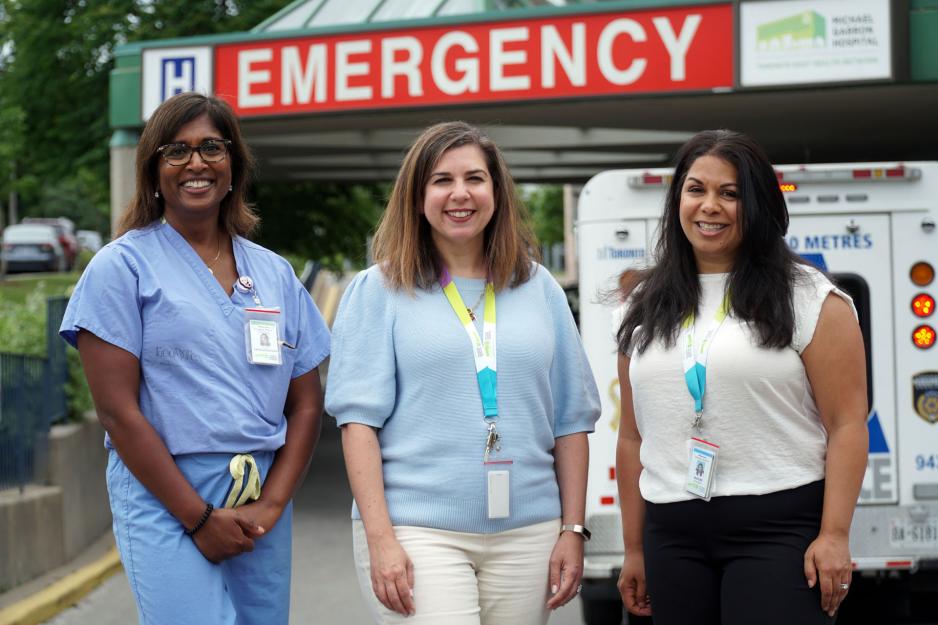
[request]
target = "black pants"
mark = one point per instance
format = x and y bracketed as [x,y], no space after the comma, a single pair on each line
[734,560]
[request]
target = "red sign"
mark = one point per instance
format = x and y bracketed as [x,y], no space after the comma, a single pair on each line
[651,50]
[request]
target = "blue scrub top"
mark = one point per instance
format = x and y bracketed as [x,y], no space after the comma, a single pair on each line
[149,293]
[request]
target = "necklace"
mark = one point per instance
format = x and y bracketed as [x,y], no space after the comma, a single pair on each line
[471,311]
[211,265]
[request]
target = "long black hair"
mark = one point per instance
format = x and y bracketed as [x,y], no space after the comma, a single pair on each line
[763,273]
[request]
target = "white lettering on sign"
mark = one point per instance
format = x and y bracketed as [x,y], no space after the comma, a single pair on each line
[409,67]
[247,98]
[468,81]
[604,51]
[677,46]
[572,59]
[499,58]
[346,69]
[571,56]
[299,79]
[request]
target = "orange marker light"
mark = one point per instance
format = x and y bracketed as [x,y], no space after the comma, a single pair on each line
[923,336]
[923,305]
[922,273]
[788,187]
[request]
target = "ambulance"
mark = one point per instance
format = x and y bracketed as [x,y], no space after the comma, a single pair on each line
[872,227]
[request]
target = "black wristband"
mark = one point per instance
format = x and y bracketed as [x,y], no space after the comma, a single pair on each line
[205,515]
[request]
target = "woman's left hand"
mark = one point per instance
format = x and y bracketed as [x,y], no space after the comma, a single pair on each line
[263,513]
[827,562]
[566,569]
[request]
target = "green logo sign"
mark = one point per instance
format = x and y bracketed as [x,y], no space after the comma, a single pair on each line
[804,30]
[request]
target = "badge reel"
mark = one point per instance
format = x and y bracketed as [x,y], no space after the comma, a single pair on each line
[261,328]
[497,475]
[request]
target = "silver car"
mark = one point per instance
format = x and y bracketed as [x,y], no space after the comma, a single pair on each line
[31,247]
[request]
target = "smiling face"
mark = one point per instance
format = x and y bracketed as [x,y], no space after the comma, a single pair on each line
[197,188]
[459,201]
[709,213]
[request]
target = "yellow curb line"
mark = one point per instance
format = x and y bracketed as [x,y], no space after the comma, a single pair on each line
[64,593]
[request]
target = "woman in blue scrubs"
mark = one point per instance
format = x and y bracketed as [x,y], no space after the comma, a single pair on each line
[210,430]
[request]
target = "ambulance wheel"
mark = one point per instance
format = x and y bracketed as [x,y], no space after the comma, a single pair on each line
[602,612]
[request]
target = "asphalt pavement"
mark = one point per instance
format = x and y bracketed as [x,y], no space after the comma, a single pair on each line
[325,588]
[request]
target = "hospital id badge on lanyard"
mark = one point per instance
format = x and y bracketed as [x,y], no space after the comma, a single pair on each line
[702,462]
[261,328]
[497,468]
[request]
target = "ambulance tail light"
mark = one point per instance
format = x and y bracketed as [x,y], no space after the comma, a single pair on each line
[923,305]
[923,336]
[650,181]
[922,273]
[866,174]
[607,501]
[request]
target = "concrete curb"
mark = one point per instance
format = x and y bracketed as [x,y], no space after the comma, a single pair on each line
[64,593]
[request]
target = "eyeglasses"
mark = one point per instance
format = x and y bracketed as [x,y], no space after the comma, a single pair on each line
[179,154]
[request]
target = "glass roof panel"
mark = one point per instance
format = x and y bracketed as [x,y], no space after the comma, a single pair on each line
[405,9]
[460,7]
[344,12]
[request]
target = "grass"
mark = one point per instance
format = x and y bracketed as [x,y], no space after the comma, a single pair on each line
[16,288]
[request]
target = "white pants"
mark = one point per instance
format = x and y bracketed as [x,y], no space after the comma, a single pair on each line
[468,579]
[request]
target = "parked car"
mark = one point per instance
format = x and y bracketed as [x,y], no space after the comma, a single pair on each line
[31,247]
[89,240]
[65,230]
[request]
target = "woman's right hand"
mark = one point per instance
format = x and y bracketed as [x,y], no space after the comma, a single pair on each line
[226,534]
[392,575]
[632,584]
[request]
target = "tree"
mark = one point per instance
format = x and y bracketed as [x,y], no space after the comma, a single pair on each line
[326,222]
[545,203]
[55,60]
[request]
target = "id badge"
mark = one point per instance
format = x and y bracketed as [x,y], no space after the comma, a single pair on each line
[498,488]
[701,468]
[262,336]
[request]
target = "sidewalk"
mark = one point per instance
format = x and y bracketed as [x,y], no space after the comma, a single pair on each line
[42,598]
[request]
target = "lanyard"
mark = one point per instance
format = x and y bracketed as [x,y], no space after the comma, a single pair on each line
[695,360]
[483,348]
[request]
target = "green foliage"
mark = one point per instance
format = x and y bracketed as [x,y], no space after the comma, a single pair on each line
[545,203]
[76,388]
[81,261]
[23,324]
[23,331]
[320,221]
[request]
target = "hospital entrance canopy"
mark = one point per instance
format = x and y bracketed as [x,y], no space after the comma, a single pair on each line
[336,89]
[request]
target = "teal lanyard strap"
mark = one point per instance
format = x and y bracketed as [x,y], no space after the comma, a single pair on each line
[695,359]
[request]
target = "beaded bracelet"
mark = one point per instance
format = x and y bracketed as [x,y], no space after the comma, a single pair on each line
[205,515]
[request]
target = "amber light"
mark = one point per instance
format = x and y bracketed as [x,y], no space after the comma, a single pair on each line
[924,336]
[788,187]
[923,305]
[922,273]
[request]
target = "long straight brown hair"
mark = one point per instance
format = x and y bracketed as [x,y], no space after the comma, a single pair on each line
[403,245]
[235,215]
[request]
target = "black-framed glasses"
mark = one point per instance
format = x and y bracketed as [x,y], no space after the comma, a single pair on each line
[179,154]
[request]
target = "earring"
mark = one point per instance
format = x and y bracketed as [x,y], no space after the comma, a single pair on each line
[230,188]
[156,194]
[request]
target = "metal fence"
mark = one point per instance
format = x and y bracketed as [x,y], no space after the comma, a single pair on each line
[32,397]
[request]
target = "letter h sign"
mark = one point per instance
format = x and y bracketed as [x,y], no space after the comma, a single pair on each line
[178,75]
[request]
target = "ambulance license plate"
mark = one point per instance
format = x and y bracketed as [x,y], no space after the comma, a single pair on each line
[903,533]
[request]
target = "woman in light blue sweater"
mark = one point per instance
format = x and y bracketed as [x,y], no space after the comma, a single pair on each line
[469,484]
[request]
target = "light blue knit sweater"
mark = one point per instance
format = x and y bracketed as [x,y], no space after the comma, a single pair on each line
[402,363]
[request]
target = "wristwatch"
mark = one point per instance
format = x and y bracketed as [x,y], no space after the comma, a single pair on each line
[576,529]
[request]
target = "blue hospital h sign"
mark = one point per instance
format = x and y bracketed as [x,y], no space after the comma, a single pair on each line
[168,71]
[178,76]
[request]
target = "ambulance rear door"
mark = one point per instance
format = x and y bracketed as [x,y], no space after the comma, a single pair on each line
[856,250]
